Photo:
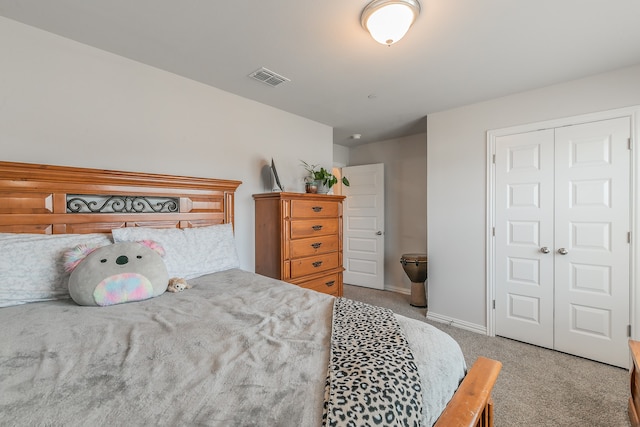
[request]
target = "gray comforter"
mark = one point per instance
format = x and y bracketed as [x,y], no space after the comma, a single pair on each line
[237,349]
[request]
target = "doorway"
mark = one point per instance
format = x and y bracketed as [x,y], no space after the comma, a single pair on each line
[363,229]
[560,258]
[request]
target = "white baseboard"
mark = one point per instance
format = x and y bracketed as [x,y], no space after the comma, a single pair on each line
[397,289]
[457,323]
[479,329]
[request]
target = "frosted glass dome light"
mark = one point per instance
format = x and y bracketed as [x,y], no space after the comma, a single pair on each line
[389,20]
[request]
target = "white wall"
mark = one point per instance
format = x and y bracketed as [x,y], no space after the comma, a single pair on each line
[340,155]
[65,103]
[405,185]
[456,165]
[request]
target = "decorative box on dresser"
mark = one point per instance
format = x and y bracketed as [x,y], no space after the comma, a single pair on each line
[299,239]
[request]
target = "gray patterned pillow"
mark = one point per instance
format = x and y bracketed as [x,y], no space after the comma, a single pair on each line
[32,265]
[190,252]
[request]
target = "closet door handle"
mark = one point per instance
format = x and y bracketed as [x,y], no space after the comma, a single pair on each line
[563,251]
[545,250]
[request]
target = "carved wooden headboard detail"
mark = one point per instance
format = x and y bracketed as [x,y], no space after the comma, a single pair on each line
[61,200]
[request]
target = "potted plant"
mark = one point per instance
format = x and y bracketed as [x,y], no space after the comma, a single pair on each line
[319,179]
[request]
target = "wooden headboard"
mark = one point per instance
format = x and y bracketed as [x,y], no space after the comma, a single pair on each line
[61,200]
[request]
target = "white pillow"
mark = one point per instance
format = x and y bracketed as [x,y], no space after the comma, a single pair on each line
[189,252]
[32,265]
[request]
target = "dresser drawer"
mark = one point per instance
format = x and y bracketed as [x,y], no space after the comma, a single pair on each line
[313,227]
[329,284]
[314,264]
[313,208]
[314,246]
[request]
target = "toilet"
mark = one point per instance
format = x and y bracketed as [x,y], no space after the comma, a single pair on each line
[415,266]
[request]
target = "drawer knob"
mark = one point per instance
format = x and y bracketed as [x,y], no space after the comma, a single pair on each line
[316,245]
[317,264]
[330,283]
[317,208]
[317,227]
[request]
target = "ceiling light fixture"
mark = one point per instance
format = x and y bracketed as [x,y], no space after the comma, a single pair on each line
[389,20]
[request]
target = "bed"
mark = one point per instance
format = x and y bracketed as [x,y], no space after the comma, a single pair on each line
[235,349]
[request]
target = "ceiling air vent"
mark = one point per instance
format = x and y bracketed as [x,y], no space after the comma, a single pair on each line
[268,77]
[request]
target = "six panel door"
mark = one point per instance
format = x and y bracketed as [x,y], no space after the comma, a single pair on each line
[364,226]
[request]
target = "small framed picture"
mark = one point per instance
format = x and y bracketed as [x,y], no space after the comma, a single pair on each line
[276,180]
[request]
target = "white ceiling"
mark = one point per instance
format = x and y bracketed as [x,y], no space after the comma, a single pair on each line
[458,51]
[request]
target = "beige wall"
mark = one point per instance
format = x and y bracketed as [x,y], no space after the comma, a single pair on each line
[66,103]
[405,222]
[457,180]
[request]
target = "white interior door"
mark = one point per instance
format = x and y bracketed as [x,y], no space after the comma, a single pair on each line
[363,217]
[592,240]
[562,254]
[524,237]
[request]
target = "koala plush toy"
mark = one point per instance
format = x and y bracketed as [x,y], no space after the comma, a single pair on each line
[115,274]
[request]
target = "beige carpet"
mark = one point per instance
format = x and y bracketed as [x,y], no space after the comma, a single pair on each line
[537,386]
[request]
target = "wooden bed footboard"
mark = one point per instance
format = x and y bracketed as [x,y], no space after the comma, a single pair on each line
[471,405]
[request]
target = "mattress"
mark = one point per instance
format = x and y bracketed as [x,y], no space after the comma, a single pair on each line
[237,349]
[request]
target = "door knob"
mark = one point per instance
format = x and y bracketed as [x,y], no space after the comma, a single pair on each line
[563,251]
[544,250]
[379,233]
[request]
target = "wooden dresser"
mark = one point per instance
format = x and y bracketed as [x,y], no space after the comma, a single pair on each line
[634,377]
[299,239]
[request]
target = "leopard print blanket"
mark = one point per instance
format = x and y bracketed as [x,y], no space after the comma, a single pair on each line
[372,379]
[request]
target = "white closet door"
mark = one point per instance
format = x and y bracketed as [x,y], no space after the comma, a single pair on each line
[562,254]
[592,247]
[523,235]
